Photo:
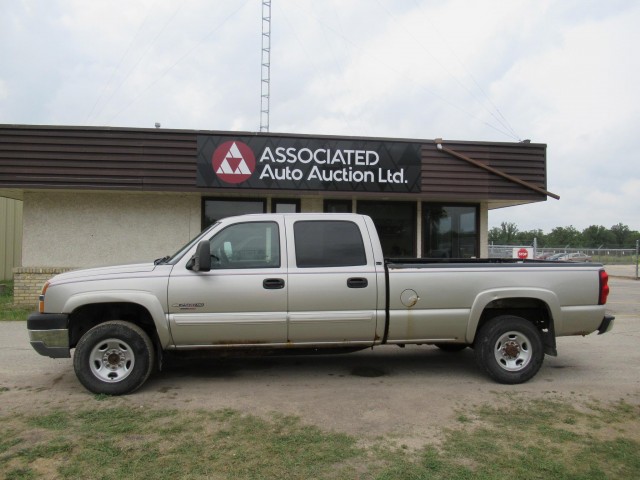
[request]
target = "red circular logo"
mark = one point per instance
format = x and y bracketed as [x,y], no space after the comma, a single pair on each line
[523,253]
[233,162]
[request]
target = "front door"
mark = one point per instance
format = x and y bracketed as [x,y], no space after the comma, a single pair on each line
[243,299]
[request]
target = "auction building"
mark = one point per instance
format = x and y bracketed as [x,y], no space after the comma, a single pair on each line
[100,195]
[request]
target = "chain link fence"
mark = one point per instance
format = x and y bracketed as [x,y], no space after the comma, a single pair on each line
[606,256]
[621,256]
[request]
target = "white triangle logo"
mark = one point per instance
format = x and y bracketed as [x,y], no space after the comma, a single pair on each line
[225,168]
[243,169]
[234,153]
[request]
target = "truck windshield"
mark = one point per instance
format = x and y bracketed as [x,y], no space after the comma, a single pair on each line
[180,253]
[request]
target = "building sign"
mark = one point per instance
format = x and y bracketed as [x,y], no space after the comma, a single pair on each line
[269,162]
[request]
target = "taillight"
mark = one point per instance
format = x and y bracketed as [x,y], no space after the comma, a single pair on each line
[41,298]
[604,287]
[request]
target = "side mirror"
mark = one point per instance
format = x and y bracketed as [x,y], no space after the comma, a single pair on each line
[202,257]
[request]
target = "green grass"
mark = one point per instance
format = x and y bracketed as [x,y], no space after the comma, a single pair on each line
[137,443]
[615,259]
[7,310]
[533,439]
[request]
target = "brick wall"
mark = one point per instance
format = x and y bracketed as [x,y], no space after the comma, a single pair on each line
[28,282]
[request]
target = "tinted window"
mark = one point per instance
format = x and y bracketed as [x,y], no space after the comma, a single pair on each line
[247,245]
[285,206]
[396,226]
[450,231]
[217,209]
[328,244]
[337,206]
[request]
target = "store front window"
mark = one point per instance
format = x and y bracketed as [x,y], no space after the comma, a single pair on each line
[396,226]
[214,209]
[337,206]
[450,231]
[279,205]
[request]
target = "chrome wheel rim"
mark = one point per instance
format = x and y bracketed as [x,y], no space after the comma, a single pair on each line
[112,360]
[512,351]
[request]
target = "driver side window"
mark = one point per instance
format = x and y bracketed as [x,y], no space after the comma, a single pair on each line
[246,245]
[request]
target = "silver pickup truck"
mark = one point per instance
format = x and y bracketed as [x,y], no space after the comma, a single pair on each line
[310,282]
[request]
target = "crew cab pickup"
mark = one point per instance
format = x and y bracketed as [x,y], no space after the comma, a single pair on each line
[310,283]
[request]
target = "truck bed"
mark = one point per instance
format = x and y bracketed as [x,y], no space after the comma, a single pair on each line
[430,262]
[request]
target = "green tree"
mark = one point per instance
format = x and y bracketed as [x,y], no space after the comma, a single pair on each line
[633,237]
[564,237]
[526,238]
[622,235]
[509,232]
[495,236]
[597,235]
[591,237]
[505,235]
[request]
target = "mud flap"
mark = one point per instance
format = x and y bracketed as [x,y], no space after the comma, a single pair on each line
[549,340]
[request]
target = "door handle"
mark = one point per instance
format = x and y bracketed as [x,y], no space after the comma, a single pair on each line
[273,283]
[357,283]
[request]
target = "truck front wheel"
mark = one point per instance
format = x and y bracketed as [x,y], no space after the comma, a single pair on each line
[114,358]
[509,349]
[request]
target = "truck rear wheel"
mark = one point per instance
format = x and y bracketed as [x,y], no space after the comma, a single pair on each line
[114,358]
[509,349]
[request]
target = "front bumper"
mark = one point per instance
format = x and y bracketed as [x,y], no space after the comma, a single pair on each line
[606,325]
[49,334]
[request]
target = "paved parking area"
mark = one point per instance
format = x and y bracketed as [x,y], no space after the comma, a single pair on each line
[622,271]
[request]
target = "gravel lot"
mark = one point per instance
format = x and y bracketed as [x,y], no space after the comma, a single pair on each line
[407,394]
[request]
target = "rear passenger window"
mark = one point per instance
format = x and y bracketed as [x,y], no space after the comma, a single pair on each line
[328,244]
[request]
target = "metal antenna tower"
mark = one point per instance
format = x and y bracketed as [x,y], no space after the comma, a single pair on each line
[266,65]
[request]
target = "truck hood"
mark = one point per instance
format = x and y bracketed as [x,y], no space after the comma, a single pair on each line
[114,271]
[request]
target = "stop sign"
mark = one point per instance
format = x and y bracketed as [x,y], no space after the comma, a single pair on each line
[523,253]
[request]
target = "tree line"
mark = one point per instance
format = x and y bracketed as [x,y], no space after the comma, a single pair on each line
[595,236]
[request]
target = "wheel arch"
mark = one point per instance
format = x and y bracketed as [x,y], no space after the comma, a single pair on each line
[142,310]
[540,307]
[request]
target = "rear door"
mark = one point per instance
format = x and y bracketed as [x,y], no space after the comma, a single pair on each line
[333,290]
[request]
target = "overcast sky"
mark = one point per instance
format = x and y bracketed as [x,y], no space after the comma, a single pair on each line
[564,73]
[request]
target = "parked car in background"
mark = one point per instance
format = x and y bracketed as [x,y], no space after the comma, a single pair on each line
[556,257]
[575,257]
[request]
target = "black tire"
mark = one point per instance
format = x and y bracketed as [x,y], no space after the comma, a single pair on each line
[114,358]
[451,347]
[509,349]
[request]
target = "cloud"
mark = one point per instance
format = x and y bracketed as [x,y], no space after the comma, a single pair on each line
[579,96]
[561,72]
